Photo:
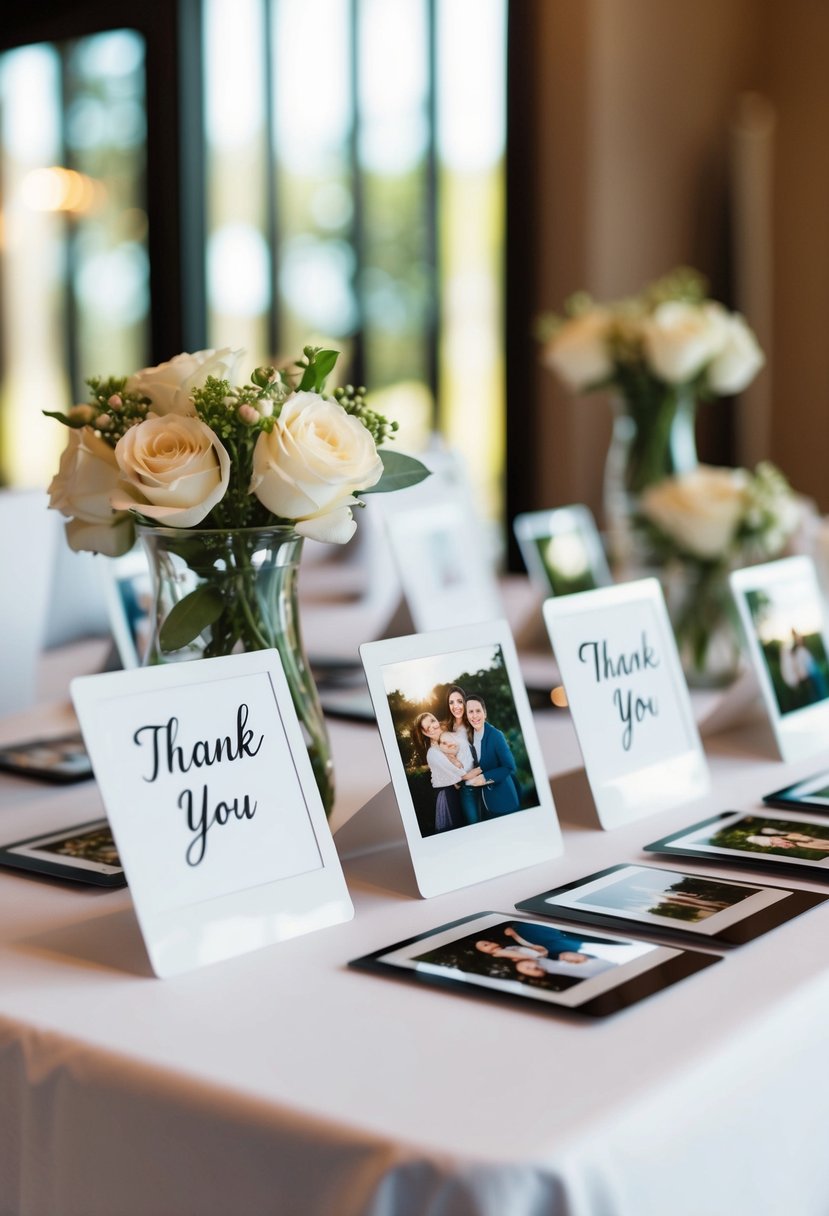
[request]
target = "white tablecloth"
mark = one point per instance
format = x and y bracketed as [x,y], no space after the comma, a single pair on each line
[281,1082]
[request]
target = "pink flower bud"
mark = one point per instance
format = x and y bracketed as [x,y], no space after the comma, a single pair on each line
[115,401]
[103,422]
[248,414]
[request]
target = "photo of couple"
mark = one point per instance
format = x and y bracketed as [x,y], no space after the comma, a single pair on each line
[788,621]
[460,739]
[659,893]
[535,955]
[793,839]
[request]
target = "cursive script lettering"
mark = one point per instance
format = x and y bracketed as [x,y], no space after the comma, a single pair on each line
[165,750]
[608,668]
[200,820]
[633,709]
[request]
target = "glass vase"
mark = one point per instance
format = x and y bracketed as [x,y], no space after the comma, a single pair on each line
[653,437]
[220,592]
[705,621]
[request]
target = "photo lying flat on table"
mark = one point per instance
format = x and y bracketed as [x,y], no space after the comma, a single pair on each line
[61,760]
[463,755]
[562,550]
[795,841]
[544,964]
[86,852]
[812,793]
[673,901]
[781,607]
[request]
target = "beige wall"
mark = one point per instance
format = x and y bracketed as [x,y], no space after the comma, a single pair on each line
[638,98]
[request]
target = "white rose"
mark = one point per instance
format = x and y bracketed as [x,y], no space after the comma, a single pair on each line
[173,470]
[170,384]
[81,489]
[307,468]
[738,362]
[680,339]
[701,510]
[579,352]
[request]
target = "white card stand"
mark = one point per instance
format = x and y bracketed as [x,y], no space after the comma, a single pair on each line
[213,805]
[629,700]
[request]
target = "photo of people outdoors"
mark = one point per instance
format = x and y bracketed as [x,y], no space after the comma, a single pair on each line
[538,956]
[460,738]
[566,563]
[788,622]
[793,839]
[93,845]
[689,898]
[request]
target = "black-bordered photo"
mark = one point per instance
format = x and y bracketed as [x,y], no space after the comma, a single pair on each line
[797,842]
[812,793]
[460,739]
[85,852]
[62,760]
[553,966]
[673,902]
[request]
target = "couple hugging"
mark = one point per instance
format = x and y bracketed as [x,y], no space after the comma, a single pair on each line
[470,762]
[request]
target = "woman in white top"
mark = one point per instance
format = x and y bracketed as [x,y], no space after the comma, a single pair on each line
[458,723]
[448,773]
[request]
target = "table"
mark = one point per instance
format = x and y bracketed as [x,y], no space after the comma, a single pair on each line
[280,1082]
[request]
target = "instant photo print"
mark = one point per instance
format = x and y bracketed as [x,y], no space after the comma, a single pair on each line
[540,966]
[562,550]
[787,841]
[464,759]
[214,808]
[629,700]
[672,903]
[781,608]
[84,853]
[810,794]
[61,760]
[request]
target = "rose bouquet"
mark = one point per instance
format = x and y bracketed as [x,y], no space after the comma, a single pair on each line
[661,352]
[701,525]
[222,481]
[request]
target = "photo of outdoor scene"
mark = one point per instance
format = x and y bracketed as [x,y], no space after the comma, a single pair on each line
[566,562]
[94,845]
[537,956]
[688,898]
[787,620]
[437,702]
[790,838]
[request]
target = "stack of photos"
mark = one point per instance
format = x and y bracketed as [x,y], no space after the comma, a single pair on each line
[673,902]
[552,965]
[794,841]
[439,705]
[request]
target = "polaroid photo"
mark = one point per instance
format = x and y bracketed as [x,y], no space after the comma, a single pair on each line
[562,550]
[626,691]
[781,608]
[673,902]
[61,760]
[812,794]
[129,597]
[464,758]
[86,853]
[795,842]
[542,966]
[208,786]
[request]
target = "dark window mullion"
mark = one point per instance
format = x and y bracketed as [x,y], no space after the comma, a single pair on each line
[432,191]
[71,337]
[358,357]
[272,227]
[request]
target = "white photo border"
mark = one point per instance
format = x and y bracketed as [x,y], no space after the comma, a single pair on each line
[531,526]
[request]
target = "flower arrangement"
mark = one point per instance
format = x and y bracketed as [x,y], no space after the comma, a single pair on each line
[181,445]
[703,524]
[669,335]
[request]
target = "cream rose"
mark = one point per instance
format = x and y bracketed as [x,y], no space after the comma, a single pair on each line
[700,510]
[170,384]
[307,468]
[739,360]
[579,353]
[679,339]
[81,488]
[173,470]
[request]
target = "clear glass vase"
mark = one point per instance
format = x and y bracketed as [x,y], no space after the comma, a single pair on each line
[705,621]
[654,436]
[226,591]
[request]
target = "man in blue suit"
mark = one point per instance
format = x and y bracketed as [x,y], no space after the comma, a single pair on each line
[495,759]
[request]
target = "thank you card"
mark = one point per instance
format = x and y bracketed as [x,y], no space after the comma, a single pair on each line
[213,805]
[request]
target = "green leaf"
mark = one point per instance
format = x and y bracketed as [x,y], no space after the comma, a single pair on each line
[324,365]
[62,418]
[190,616]
[399,471]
